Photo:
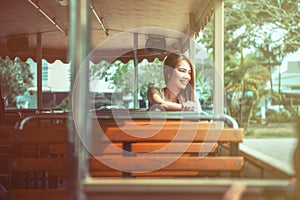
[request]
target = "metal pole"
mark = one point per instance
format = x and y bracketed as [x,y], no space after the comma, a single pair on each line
[219,57]
[136,89]
[79,46]
[73,159]
[192,50]
[279,82]
[39,72]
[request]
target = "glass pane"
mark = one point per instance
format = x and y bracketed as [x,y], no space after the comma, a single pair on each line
[150,75]
[111,85]
[17,79]
[204,67]
[21,92]
[56,79]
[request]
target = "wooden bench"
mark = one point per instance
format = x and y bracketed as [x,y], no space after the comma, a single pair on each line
[11,118]
[35,164]
[188,165]
[30,167]
[196,152]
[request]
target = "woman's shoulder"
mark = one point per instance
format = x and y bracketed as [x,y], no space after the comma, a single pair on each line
[154,90]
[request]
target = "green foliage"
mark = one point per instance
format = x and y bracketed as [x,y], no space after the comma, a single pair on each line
[258,34]
[150,74]
[263,25]
[204,81]
[275,130]
[122,75]
[100,70]
[279,117]
[15,78]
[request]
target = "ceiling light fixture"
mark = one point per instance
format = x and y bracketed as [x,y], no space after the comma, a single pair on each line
[63,2]
[99,20]
[156,44]
[47,16]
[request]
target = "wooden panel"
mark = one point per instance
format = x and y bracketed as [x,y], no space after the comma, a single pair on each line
[58,149]
[28,162]
[37,164]
[11,118]
[37,194]
[5,147]
[5,150]
[6,129]
[36,137]
[184,163]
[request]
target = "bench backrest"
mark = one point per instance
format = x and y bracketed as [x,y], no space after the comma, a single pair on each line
[30,168]
[195,144]
[34,160]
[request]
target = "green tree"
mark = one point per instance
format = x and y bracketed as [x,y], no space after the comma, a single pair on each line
[245,87]
[15,78]
[150,74]
[122,75]
[258,34]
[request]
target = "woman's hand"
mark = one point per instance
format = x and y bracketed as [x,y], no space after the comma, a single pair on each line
[191,106]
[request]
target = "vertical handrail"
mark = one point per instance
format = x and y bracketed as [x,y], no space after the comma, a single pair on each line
[39,72]
[79,47]
[136,62]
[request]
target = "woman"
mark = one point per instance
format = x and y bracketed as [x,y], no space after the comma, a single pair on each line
[178,95]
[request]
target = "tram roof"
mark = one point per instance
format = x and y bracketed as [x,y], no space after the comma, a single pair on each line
[22,18]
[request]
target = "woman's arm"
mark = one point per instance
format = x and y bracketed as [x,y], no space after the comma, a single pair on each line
[155,99]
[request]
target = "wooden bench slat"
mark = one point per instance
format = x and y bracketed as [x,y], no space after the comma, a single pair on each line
[164,173]
[157,124]
[141,163]
[106,173]
[159,173]
[143,136]
[174,147]
[115,134]
[59,149]
[147,121]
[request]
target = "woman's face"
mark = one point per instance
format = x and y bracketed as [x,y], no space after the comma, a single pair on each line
[181,75]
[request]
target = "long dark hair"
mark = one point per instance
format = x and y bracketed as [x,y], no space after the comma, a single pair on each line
[2,107]
[170,63]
